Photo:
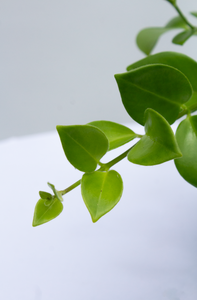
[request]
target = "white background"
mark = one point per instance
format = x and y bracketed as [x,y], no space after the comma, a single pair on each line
[145,248]
[57,64]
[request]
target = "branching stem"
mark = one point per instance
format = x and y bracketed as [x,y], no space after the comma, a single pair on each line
[107,166]
[71,187]
[118,158]
[182,15]
[111,163]
[104,167]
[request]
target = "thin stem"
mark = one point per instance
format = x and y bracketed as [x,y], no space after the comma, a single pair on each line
[186,110]
[182,16]
[118,158]
[107,166]
[104,167]
[71,187]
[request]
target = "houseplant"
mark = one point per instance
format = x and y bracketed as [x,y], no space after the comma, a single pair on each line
[155,91]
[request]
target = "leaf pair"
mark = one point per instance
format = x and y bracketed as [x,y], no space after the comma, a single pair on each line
[101,191]
[148,37]
[85,145]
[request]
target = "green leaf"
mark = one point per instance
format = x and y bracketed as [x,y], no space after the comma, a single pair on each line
[182,37]
[182,62]
[179,61]
[56,193]
[158,145]
[176,23]
[46,210]
[148,37]
[116,134]
[160,87]
[84,145]
[101,191]
[186,136]
[45,195]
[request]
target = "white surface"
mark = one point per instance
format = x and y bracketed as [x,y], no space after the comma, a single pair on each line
[58,58]
[144,249]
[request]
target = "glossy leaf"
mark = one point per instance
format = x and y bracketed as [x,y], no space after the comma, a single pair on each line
[56,193]
[148,37]
[158,145]
[186,136]
[116,134]
[83,145]
[45,195]
[182,37]
[46,210]
[101,191]
[182,62]
[160,87]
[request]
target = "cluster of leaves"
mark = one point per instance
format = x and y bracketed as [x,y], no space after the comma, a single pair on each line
[148,37]
[155,91]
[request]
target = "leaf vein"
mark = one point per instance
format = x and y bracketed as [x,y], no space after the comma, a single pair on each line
[152,93]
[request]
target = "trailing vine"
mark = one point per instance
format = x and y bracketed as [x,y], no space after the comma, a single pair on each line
[155,91]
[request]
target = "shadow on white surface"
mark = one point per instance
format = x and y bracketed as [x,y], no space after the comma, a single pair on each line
[144,249]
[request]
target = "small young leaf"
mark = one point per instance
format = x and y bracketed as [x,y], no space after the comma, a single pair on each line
[182,37]
[56,193]
[101,191]
[84,145]
[46,210]
[45,195]
[160,87]
[147,38]
[116,134]
[175,23]
[158,145]
[182,62]
[186,136]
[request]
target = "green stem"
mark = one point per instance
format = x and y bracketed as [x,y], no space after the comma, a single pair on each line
[107,166]
[186,110]
[71,187]
[118,158]
[104,167]
[182,16]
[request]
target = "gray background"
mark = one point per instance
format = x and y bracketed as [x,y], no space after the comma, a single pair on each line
[58,58]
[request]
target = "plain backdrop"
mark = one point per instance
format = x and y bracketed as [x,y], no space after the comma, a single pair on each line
[57,63]
[144,249]
[58,58]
